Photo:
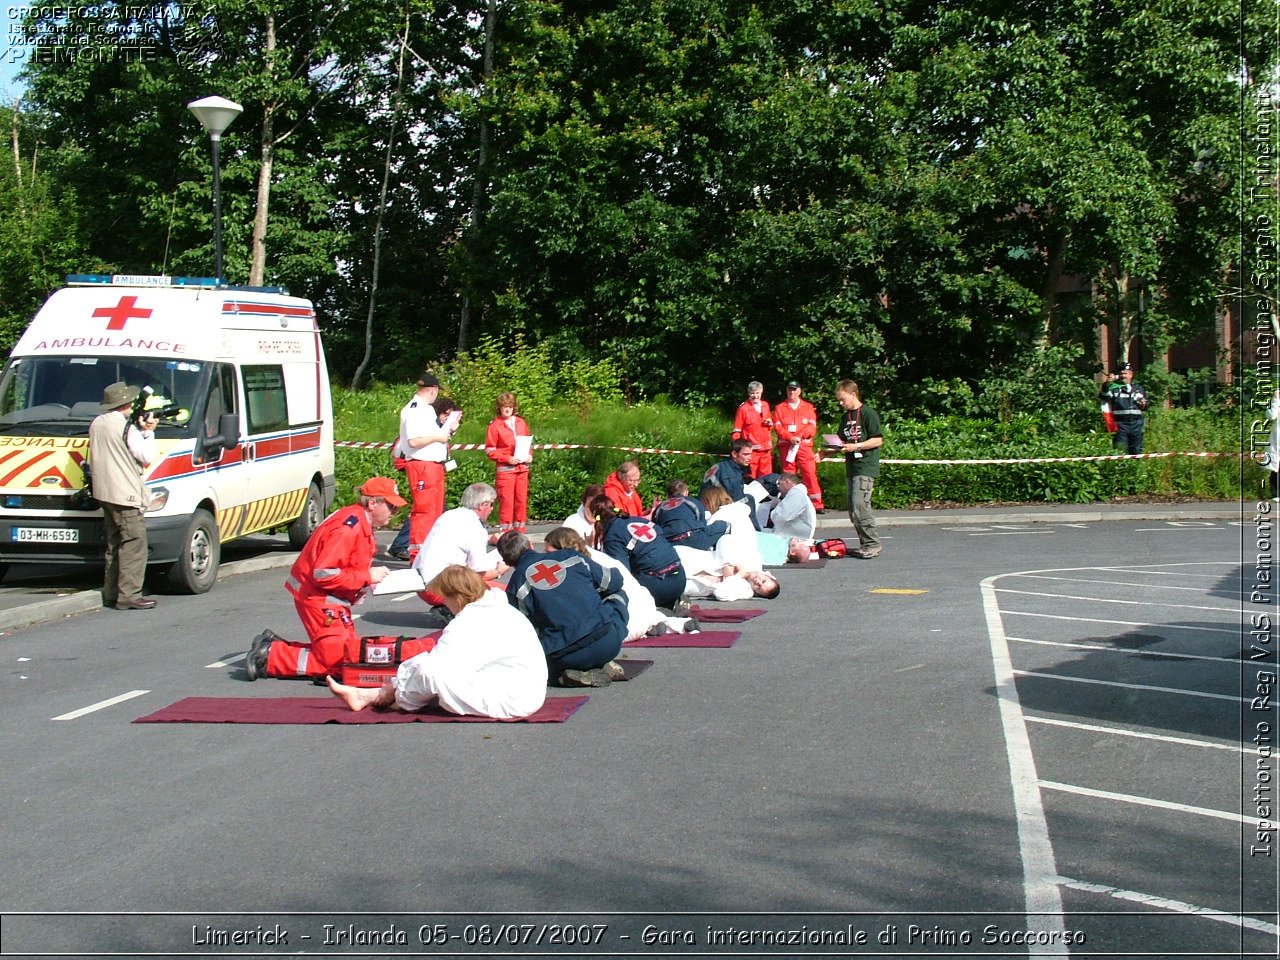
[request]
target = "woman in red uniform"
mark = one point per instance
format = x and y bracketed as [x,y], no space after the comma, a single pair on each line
[512,468]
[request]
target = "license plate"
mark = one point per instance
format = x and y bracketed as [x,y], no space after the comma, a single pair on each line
[44,535]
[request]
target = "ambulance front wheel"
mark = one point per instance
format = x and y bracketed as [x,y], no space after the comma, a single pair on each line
[312,514]
[196,569]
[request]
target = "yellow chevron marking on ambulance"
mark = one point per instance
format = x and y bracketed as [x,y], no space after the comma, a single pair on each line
[273,511]
[230,522]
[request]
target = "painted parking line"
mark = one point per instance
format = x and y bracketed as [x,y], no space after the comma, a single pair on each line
[1233,631]
[1133,603]
[1111,583]
[1146,802]
[1138,734]
[1129,686]
[1145,652]
[101,705]
[1176,906]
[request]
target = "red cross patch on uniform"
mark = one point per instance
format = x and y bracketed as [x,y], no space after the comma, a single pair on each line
[642,531]
[546,575]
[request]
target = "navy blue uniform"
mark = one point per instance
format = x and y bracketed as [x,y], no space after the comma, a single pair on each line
[638,542]
[684,522]
[576,605]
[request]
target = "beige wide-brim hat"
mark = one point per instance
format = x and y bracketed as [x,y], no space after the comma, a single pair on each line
[117,395]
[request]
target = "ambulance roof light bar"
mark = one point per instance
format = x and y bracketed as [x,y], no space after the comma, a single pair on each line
[145,280]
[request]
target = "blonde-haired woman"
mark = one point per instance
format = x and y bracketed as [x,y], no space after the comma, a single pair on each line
[487,663]
[511,466]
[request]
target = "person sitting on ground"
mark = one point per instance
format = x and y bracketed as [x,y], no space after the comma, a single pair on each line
[459,536]
[684,520]
[486,663]
[793,516]
[621,487]
[732,474]
[643,616]
[581,522]
[576,606]
[638,543]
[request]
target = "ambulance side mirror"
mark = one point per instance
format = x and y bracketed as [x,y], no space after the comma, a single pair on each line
[228,436]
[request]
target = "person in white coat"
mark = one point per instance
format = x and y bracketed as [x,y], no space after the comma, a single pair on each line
[487,663]
[794,514]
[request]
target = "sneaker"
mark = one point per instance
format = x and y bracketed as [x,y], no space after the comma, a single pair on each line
[585,678]
[443,612]
[865,554]
[819,510]
[615,671]
[255,661]
[693,626]
[399,555]
[681,608]
[659,628]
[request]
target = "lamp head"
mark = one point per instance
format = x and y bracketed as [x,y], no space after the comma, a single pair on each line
[215,113]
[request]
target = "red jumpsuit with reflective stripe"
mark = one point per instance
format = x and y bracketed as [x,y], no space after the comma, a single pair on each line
[804,420]
[628,502]
[330,574]
[758,428]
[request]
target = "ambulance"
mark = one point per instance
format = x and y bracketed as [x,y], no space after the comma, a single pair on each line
[245,440]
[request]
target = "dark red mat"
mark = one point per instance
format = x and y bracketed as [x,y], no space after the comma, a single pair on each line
[707,638]
[714,615]
[330,709]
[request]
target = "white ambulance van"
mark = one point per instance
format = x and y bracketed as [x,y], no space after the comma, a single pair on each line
[245,441]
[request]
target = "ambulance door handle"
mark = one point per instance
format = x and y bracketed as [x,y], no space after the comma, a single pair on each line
[250,452]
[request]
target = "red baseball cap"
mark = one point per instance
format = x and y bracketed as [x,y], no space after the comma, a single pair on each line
[385,488]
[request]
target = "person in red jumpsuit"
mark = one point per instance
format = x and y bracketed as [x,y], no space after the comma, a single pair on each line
[332,572]
[620,487]
[796,423]
[754,422]
[512,470]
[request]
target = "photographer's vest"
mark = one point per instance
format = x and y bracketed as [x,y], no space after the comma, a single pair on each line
[117,475]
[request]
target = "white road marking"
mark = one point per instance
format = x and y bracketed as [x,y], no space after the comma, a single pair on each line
[1132,651]
[1039,869]
[226,663]
[1176,906]
[1121,732]
[1235,632]
[1132,603]
[1114,583]
[1010,533]
[1147,802]
[101,705]
[1130,686]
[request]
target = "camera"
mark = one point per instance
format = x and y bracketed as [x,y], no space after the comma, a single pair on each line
[140,411]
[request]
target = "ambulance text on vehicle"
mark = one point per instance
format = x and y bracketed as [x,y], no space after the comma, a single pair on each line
[245,441]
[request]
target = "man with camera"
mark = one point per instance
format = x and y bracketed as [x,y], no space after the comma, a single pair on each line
[1128,401]
[121,447]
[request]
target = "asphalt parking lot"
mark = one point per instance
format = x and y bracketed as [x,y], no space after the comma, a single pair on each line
[1006,729]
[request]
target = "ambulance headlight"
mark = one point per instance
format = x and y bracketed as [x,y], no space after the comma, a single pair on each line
[159,499]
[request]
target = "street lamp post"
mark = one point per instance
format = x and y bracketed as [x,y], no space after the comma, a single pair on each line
[215,115]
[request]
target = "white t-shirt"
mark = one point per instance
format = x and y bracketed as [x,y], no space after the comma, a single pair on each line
[487,663]
[417,419]
[581,524]
[457,536]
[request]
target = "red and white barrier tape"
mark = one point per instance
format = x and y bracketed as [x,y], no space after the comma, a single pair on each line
[454,447]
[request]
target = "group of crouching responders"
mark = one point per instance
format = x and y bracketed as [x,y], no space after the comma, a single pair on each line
[565,612]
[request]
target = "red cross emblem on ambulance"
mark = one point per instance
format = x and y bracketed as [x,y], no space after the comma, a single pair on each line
[546,575]
[125,309]
[642,532]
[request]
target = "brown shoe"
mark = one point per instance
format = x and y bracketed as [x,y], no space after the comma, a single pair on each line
[137,603]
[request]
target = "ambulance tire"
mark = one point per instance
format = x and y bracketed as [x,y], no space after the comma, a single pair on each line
[312,514]
[196,569]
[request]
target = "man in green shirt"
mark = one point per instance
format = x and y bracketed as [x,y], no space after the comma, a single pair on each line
[860,431]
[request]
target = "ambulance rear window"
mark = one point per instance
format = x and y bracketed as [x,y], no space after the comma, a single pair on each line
[265,399]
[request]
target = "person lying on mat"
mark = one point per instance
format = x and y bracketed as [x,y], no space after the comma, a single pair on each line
[705,578]
[643,616]
[576,606]
[487,663]
[742,545]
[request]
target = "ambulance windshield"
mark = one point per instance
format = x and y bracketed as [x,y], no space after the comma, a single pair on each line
[59,396]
